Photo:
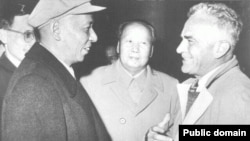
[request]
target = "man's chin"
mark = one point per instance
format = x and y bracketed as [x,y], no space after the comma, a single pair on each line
[133,65]
[79,60]
[185,70]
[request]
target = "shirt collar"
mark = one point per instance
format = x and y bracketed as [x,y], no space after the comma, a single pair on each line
[12,59]
[203,80]
[126,77]
[70,69]
[133,76]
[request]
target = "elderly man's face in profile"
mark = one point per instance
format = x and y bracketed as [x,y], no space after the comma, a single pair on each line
[77,35]
[20,37]
[199,37]
[135,47]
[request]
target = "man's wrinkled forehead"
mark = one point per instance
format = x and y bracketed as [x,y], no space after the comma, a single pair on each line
[136,28]
[199,20]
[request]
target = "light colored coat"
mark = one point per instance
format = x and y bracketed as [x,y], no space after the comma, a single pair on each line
[224,100]
[124,120]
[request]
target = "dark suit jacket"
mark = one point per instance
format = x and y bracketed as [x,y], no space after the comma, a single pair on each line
[44,102]
[6,71]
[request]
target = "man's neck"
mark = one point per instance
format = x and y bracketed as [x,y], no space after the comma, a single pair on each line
[133,74]
[50,48]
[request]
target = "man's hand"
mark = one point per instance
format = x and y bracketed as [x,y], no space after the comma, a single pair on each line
[156,133]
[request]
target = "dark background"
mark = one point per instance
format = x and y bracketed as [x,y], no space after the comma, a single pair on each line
[168,17]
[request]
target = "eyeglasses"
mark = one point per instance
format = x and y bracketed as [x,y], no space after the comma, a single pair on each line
[28,35]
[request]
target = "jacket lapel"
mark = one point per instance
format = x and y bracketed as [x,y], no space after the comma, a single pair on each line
[111,78]
[205,97]
[199,107]
[150,92]
[183,96]
[148,97]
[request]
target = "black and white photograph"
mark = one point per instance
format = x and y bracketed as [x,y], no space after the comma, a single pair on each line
[124,70]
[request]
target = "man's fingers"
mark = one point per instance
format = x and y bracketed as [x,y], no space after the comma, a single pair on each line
[153,136]
[150,135]
[158,129]
[158,137]
[164,121]
[156,134]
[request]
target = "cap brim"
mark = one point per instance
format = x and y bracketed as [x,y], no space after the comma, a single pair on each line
[81,9]
[86,8]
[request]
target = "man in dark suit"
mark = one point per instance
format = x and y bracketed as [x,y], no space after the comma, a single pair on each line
[44,101]
[16,37]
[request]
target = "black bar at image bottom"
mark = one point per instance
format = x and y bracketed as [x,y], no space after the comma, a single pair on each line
[214,132]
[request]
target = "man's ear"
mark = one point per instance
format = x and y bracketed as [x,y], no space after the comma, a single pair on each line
[221,49]
[151,51]
[55,28]
[3,36]
[118,47]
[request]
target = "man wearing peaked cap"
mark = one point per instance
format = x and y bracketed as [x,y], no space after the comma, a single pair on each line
[44,101]
[50,9]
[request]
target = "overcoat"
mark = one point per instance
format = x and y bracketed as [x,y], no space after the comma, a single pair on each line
[45,103]
[124,120]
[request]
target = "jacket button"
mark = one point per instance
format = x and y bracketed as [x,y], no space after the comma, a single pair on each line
[122,120]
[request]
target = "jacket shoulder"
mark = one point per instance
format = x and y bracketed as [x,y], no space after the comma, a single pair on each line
[165,77]
[234,84]
[97,74]
[34,68]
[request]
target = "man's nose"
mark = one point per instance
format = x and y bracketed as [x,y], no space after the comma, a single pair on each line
[135,47]
[93,37]
[181,48]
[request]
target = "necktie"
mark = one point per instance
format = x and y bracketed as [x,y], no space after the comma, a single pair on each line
[192,95]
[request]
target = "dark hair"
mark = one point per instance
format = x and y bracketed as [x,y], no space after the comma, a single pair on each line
[147,25]
[12,8]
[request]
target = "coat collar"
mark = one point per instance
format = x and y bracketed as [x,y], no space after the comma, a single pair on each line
[111,77]
[222,70]
[205,97]
[42,55]
[5,62]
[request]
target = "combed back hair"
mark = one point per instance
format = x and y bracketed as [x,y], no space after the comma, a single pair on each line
[226,17]
[147,25]
[12,8]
